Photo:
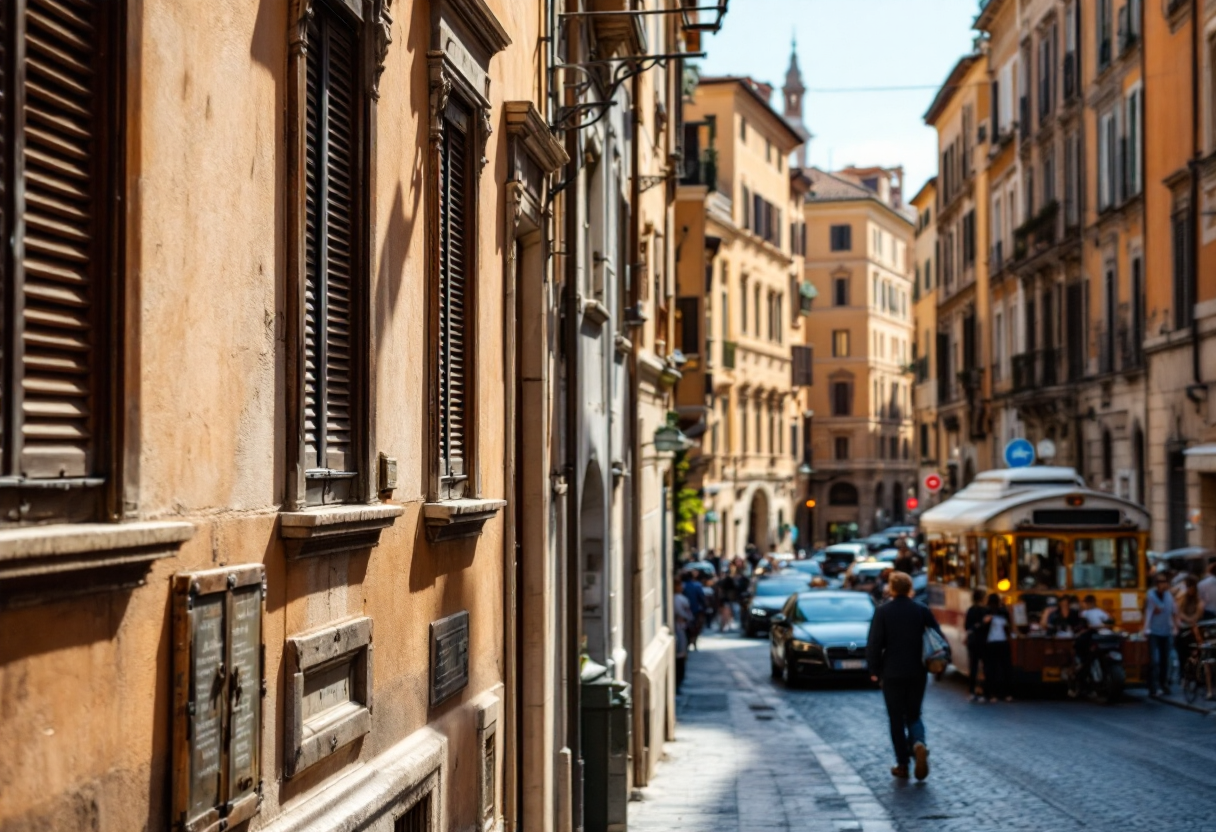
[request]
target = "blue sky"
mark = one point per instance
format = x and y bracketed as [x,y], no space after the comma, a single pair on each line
[850,44]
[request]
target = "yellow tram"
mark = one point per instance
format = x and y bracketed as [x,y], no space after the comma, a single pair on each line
[1032,535]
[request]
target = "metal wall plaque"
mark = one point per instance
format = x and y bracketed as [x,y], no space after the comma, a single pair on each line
[217,697]
[449,656]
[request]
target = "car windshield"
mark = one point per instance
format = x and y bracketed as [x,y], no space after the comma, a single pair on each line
[785,588]
[837,608]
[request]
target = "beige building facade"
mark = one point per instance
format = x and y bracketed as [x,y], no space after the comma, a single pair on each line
[859,258]
[739,278]
[301,525]
[926,441]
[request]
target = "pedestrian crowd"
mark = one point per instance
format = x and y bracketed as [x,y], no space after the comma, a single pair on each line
[707,596]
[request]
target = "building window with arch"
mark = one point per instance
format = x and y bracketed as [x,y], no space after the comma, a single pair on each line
[843,494]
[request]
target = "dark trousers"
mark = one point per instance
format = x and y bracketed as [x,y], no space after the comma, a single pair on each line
[1159,650]
[680,662]
[975,654]
[904,698]
[998,667]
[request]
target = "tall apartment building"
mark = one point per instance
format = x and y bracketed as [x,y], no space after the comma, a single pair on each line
[1103,243]
[961,115]
[927,445]
[859,259]
[738,212]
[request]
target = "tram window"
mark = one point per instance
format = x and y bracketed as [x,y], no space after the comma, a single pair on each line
[946,565]
[1105,563]
[979,576]
[1041,564]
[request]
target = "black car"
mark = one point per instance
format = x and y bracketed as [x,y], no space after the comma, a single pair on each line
[767,598]
[821,635]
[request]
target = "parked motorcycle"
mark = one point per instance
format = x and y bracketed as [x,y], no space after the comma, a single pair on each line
[1101,670]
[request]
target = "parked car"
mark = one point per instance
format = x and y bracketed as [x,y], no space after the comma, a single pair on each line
[894,533]
[838,556]
[811,569]
[863,575]
[876,542]
[887,555]
[821,635]
[767,597]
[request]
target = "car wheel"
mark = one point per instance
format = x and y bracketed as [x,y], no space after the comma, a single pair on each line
[788,675]
[749,631]
[774,670]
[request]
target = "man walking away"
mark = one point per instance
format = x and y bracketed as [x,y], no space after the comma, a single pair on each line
[1207,593]
[695,593]
[1159,611]
[895,652]
[977,638]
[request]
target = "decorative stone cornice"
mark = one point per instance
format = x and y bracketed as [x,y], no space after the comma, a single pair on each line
[528,126]
[482,22]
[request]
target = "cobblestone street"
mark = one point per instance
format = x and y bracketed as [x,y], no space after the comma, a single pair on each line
[750,755]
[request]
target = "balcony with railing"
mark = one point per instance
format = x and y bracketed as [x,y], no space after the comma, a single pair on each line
[1035,370]
[1131,348]
[1038,233]
[996,259]
[1106,349]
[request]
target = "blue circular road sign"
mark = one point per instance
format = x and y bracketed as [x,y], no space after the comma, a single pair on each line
[1019,453]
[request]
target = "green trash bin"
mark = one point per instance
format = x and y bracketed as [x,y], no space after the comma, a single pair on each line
[605,735]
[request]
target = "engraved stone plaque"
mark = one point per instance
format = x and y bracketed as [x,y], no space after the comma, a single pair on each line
[449,656]
[217,697]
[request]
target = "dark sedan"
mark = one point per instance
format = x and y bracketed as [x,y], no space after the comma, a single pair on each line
[821,635]
[768,597]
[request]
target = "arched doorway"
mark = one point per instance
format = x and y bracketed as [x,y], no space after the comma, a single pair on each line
[758,521]
[968,472]
[842,523]
[596,579]
[880,512]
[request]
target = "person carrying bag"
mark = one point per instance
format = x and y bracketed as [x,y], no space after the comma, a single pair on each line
[905,644]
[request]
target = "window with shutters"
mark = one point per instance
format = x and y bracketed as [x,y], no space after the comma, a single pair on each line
[803,361]
[333,269]
[456,236]
[59,211]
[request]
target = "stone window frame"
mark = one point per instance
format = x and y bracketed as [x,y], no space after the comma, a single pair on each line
[303,744]
[465,36]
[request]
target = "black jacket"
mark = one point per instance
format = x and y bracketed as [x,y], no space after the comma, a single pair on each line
[977,630]
[895,648]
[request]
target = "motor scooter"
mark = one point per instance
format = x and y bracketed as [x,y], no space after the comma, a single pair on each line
[1100,671]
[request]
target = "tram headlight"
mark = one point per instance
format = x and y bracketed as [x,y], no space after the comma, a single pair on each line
[1003,585]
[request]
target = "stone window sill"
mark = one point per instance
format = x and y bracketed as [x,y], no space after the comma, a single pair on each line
[45,563]
[328,530]
[455,519]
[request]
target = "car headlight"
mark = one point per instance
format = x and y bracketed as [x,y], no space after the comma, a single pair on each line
[804,646]
[759,611]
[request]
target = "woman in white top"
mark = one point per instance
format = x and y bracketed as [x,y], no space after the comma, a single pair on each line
[998,658]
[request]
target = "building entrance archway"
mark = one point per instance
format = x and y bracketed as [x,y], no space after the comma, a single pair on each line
[758,521]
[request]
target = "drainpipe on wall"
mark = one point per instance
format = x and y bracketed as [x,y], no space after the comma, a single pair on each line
[636,648]
[573,605]
[1196,213]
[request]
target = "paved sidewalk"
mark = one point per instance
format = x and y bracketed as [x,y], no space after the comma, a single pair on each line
[744,761]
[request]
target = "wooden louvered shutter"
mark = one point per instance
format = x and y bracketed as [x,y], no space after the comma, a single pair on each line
[57,226]
[332,193]
[455,238]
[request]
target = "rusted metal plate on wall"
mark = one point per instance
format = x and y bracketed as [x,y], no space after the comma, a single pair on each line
[449,656]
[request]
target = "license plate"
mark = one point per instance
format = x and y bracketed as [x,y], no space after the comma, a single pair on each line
[851,664]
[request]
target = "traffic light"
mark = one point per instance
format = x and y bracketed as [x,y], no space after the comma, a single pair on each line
[810,503]
[913,503]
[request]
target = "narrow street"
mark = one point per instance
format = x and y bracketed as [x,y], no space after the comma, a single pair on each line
[752,755]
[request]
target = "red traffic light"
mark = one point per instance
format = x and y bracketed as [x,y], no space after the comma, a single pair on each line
[913,503]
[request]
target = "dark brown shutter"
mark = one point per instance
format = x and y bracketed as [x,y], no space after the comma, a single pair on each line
[802,363]
[60,245]
[454,262]
[332,184]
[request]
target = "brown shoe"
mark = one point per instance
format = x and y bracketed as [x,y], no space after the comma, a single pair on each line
[921,753]
[899,771]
